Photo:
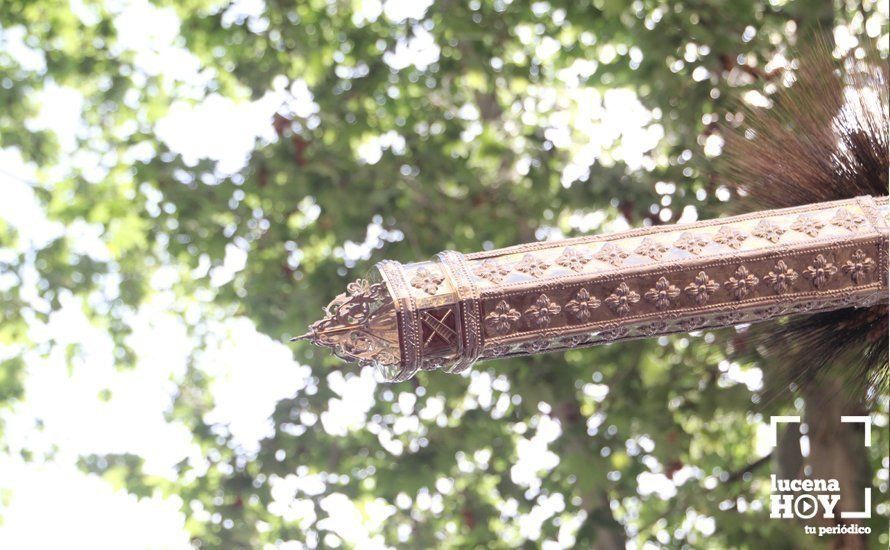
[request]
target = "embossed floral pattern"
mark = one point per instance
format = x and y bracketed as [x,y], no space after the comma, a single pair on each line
[582,305]
[498,350]
[741,283]
[781,277]
[536,345]
[730,318]
[773,311]
[691,323]
[653,328]
[622,298]
[364,288]
[859,266]
[651,249]
[541,312]
[611,254]
[492,271]
[820,272]
[662,294]
[858,301]
[426,280]
[701,288]
[730,237]
[531,265]
[355,305]
[850,222]
[766,229]
[808,225]
[690,242]
[573,259]
[802,307]
[612,334]
[544,312]
[575,341]
[501,320]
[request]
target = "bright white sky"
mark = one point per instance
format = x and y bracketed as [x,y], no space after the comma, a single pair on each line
[250,371]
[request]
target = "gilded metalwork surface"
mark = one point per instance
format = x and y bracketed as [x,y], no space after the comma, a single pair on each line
[707,287]
[547,296]
[360,325]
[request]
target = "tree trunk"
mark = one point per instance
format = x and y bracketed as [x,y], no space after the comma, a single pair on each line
[837,451]
[609,532]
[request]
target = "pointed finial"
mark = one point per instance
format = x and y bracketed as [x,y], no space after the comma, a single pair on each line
[359,325]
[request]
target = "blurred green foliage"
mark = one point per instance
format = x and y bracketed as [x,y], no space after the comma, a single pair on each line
[501,186]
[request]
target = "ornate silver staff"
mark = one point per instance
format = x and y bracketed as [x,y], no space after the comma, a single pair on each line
[458,309]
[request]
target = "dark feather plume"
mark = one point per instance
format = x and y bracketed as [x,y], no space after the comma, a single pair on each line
[824,138]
